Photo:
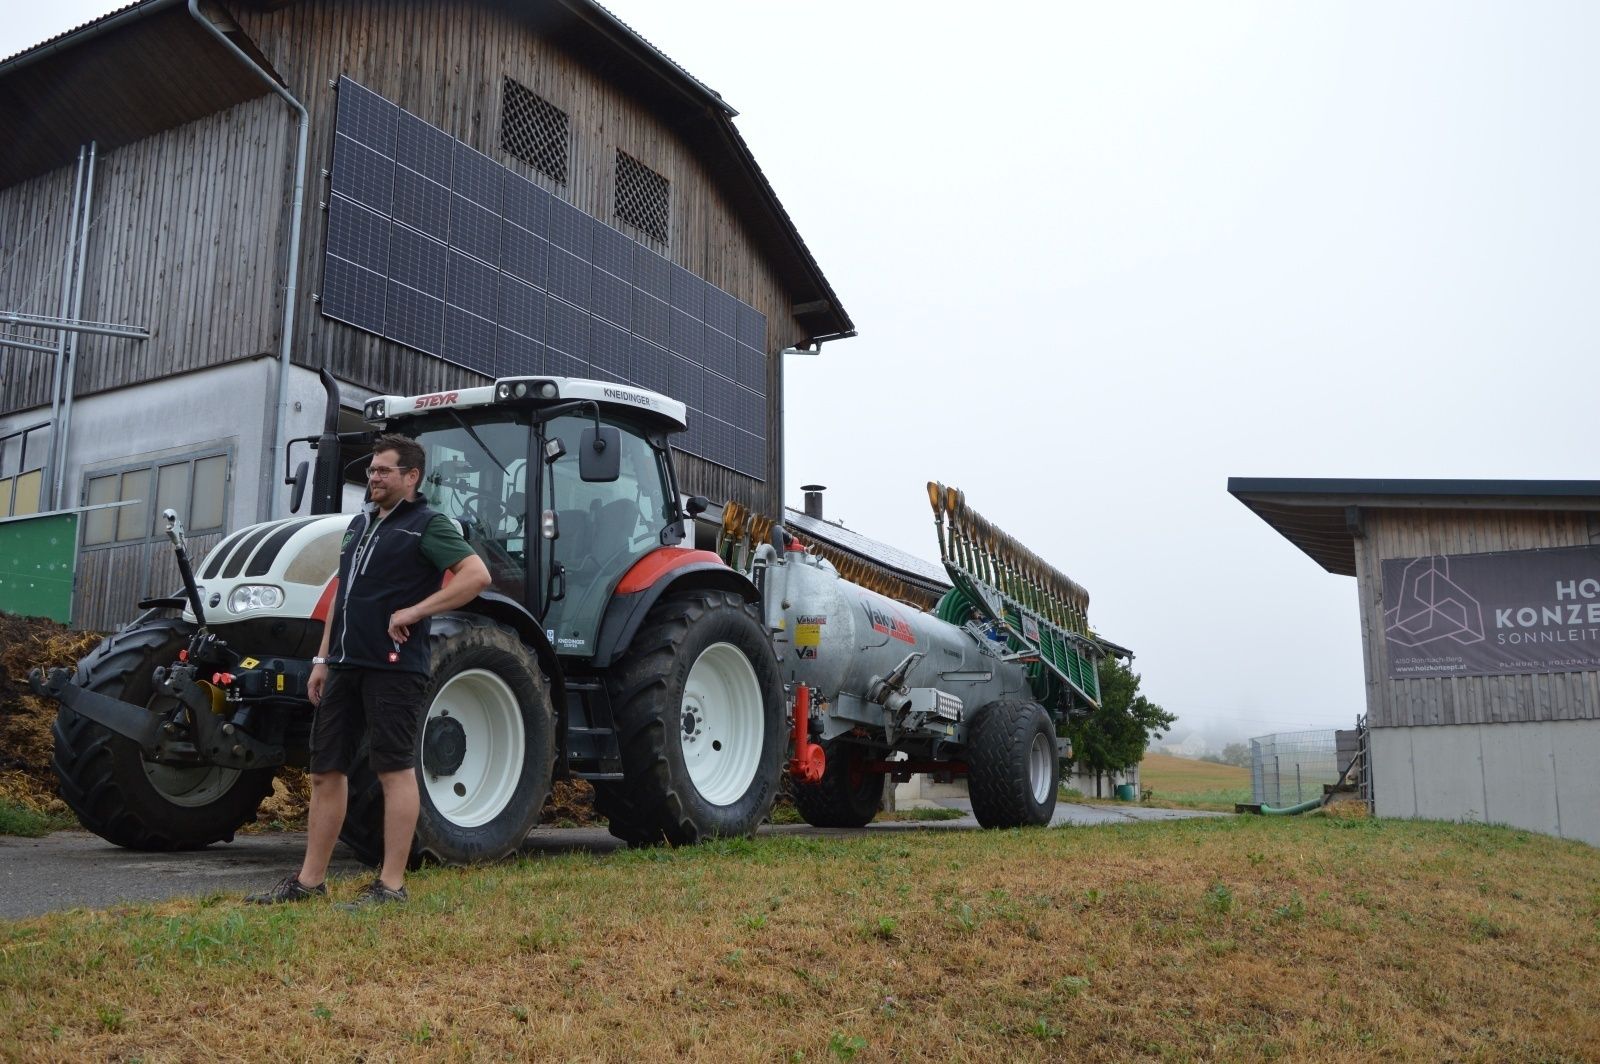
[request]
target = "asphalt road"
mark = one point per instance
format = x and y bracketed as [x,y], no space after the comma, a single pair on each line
[74,869]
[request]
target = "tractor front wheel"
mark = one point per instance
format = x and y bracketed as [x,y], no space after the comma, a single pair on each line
[104,777]
[484,751]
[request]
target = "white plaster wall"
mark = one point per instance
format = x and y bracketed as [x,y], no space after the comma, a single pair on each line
[1541,776]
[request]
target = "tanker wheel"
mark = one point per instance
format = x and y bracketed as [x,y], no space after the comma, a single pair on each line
[484,751]
[1013,770]
[699,711]
[107,782]
[847,796]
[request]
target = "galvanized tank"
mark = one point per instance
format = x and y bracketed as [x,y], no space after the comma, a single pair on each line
[842,640]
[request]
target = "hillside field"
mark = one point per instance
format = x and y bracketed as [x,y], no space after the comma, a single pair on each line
[1194,784]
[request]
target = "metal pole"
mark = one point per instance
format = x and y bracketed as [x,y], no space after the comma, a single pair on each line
[56,450]
[70,362]
[269,487]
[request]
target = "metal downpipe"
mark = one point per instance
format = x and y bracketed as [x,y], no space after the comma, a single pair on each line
[268,465]
[56,464]
[71,339]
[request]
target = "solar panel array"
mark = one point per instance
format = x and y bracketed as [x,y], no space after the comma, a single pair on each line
[436,246]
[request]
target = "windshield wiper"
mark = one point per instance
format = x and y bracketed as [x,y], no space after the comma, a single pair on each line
[478,440]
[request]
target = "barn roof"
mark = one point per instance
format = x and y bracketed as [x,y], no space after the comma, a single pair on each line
[1323,516]
[114,80]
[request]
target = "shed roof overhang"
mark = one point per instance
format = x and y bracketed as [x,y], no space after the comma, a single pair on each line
[149,67]
[1323,516]
[125,76]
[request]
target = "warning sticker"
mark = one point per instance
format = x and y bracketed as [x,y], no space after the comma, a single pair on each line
[1030,629]
[248,663]
[808,635]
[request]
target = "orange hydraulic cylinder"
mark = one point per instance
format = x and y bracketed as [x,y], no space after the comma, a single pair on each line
[809,760]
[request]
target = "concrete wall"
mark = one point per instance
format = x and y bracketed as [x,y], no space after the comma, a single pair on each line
[1541,776]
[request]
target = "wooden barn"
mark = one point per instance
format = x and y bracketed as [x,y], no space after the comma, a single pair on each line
[1480,629]
[203,204]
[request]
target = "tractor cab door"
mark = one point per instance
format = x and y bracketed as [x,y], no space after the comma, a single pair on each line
[602,528]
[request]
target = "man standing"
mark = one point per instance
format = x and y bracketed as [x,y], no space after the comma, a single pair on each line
[371,673]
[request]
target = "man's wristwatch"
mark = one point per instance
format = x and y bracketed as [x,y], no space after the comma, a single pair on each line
[319,661]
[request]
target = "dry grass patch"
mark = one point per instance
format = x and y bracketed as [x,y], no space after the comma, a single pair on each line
[1237,939]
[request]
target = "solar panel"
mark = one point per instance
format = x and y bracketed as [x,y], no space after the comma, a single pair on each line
[353,295]
[611,298]
[468,339]
[752,365]
[566,327]
[366,117]
[720,353]
[417,261]
[610,350]
[362,174]
[425,149]
[422,204]
[518,355]
[648,366]
[521,307]
[413,318]
[472,286]
[437,246]
[522,254]
[475,230]
[476,176]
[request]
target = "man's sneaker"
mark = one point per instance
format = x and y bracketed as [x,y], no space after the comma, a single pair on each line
[374,893]
[289,888]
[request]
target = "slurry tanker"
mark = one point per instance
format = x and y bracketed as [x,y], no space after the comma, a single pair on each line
[682,683]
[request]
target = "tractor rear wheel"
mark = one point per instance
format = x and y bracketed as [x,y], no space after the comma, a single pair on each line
[105,779]
[847,796]
[699,710]
[1013,769]
[485,751]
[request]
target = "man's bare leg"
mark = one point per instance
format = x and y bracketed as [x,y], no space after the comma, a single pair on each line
[330,792]
[400,805]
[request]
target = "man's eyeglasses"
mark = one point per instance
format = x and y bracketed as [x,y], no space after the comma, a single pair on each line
[385,471]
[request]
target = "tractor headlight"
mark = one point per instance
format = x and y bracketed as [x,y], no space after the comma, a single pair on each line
[247,597]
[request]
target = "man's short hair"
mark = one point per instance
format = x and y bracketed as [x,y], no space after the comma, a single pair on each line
[409,450]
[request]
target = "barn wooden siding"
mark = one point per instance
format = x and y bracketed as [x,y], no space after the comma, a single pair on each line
[187,239]
[444,63]
[1464,699]
[112,580]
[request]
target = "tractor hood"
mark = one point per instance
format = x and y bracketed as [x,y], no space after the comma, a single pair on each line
[278,569]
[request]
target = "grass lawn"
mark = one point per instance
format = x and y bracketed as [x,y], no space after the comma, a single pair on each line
[1231,939]
[1185,782]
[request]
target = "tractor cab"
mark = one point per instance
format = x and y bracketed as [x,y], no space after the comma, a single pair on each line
[559,485]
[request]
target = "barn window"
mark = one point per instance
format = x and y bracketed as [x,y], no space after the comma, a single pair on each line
[642,197]
[533,129]
[193,485]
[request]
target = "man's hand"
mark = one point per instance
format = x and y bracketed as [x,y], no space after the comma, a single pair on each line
[400,622]
[315,685]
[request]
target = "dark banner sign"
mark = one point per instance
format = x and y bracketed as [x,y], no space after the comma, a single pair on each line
[1493,614]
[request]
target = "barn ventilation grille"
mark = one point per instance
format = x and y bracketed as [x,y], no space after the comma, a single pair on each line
[642,197]
[533,129]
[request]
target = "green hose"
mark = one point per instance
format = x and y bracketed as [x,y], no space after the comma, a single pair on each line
[1292,810]
[957,609]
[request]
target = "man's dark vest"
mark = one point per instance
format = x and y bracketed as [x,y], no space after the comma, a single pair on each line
[387,573]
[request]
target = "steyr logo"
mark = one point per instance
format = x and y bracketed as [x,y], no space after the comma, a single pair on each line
[437,399]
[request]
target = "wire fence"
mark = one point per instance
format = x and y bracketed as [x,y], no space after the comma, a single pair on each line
[1291,767]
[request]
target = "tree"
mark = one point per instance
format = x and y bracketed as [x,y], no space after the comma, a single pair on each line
[1113,738]
[1235,754]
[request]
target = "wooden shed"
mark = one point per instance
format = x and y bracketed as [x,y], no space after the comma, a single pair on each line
[1480,621]
[206,186]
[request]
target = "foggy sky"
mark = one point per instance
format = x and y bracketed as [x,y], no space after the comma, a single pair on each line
[1105,256]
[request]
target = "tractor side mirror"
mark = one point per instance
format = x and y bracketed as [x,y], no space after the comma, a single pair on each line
[297,491]
[697,505]
[600,455]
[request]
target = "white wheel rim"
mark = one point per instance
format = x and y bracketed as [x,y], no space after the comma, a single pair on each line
[487,710]
[1041,756]
[721,725]
[190,786]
